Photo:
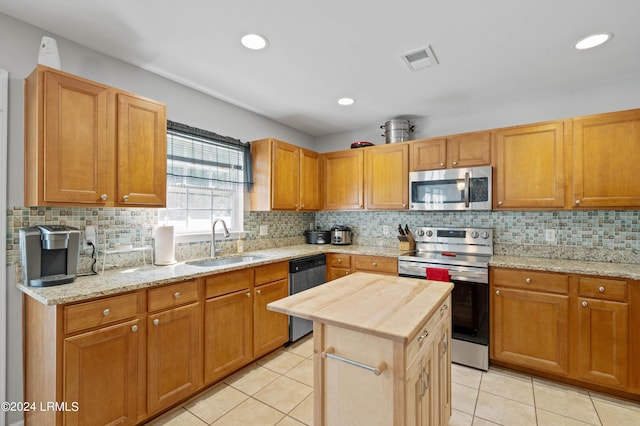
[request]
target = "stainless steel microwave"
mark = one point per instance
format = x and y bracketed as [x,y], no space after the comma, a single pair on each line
[451,189]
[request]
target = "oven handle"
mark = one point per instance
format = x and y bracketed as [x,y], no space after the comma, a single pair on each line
[474,277]
[467,190]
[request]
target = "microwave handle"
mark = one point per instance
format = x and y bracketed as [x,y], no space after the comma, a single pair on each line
[467,190]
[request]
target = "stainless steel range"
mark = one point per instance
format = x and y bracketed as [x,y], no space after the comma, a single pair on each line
[465,253]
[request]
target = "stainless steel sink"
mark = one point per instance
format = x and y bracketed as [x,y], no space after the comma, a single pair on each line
[208,263]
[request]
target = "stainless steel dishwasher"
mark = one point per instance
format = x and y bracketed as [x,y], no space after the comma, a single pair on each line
[305,273]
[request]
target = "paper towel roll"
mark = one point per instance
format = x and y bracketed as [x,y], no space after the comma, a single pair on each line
[164,250]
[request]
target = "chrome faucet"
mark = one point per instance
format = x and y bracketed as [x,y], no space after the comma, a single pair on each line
[213,235]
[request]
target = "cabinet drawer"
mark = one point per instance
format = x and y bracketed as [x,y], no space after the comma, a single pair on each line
[272,272]
[339,260]
[229,282]
[100,312]
[172,295]
[598,288]
[426,332]
[380,264]
[530,280]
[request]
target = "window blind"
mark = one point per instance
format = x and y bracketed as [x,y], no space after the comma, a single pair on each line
[199,158]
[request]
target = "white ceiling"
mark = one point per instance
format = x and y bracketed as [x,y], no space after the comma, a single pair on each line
[490,51]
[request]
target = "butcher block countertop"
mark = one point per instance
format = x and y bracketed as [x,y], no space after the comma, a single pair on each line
[381,305]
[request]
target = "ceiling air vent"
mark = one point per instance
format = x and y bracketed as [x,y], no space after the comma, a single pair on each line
[421,58]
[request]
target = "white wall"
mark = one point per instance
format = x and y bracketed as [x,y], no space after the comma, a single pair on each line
[543,106]
[19,46]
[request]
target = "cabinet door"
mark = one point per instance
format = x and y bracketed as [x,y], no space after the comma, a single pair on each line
[142,152]
[530,167]
[228,334]
[531,329]
[309,180]
[75,164]
[443,410]
[343,180]
[285,176]
[270,329]
[469,149]
[386,171]
[174,361]
[606,152]
[428,154]
[603,342]
[420,391]
[101,376]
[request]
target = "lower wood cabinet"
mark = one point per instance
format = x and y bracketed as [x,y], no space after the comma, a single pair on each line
[570,327]
[340,265]
[228,323]
[270,329]
[101,375]
[175,355]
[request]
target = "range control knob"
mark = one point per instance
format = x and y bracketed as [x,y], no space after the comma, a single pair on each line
[429,233]
[484,235]
[474,234]
[420,232]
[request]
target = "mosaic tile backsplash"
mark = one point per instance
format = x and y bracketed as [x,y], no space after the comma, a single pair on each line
[600,235]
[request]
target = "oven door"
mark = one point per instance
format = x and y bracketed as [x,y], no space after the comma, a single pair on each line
[451,189]
[470,312]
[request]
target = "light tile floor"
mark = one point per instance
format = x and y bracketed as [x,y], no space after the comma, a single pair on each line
[278,390]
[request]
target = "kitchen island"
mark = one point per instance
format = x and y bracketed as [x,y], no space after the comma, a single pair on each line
[381,349]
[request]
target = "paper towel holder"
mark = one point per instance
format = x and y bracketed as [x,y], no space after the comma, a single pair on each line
[163,245]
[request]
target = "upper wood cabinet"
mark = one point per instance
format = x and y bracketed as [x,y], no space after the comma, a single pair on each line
[530,167]
[463,150]
[92,145]
[285,177]
[344,180]
[373,178]
[386,177]
[606,152]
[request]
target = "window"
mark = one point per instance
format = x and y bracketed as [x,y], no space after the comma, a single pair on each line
[206,177]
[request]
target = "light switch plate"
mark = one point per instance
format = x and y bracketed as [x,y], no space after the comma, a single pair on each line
[264,229]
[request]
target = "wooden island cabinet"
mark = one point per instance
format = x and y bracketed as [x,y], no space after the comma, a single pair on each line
[381,343]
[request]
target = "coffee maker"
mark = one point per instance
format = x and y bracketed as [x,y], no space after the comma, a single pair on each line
[49,255]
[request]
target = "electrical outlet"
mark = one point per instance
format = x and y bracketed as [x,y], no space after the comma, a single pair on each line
[385,229]
[264,229]
[550,235]
[311,225]
[90,235]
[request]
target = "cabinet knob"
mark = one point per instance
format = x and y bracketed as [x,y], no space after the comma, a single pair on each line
[374,264]
[497,292]
[156,321]
[125,198]
[134,328]
[103,197]
[259,291]
[601,289]
[499,203]
[455,163]
[528,280]
[177,295]
[248,294]
[302,206]
[339,260]
[585,304]
[577,201]
[441,164]
[106,312]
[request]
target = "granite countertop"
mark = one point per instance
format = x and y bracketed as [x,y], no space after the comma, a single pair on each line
[123,280]
[604,269]
[382,305]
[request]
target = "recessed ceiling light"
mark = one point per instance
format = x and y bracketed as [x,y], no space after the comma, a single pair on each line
[253,41]
[346,101]
[593,41]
